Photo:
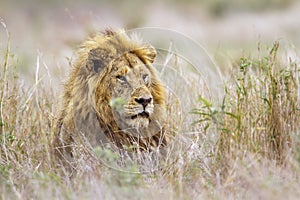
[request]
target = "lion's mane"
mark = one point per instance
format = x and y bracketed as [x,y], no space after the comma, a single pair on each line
[86,111]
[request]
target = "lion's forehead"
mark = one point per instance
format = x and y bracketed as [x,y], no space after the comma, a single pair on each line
[132,66]
[135,74]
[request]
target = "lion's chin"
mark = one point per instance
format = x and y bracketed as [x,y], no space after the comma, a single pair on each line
[138,122]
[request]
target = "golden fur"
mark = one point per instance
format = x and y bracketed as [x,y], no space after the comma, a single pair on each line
[112,95]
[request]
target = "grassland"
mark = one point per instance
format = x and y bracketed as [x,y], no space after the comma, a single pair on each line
[247,146]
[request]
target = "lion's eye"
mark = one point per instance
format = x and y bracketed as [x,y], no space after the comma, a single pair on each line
[122,79]
[146,78]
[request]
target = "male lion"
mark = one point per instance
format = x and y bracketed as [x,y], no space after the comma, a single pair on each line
[112,95]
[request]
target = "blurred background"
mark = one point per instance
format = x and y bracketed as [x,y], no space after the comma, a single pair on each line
[49,31]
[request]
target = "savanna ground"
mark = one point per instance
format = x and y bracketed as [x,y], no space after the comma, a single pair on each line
[242,143]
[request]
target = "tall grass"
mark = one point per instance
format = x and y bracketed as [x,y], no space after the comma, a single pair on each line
[260,110]
[258,117]
[26,121]
[253,151]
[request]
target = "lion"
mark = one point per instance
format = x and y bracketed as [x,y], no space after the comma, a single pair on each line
[112,96]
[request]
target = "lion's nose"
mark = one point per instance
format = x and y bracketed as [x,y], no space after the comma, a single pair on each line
[143,101]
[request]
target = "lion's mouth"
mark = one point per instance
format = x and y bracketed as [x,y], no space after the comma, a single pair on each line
[143,114]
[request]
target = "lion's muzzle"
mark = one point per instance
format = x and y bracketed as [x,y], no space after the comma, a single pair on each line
[143,101]
[140,108]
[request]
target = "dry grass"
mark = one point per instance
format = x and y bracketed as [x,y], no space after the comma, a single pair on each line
[246,147]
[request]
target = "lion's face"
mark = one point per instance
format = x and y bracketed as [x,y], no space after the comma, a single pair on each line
[131,98]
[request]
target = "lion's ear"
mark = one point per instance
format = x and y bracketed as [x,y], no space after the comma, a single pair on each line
[146,54]
[98,59]
[95,65]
